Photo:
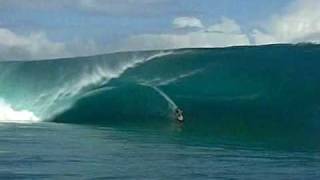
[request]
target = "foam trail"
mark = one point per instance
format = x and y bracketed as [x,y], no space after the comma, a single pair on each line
[182,76]
[10,115]
[91,79]
[172,104]
[103,74]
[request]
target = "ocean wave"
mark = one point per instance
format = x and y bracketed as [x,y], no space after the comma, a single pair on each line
[251,90]
[101,74]
[10,115]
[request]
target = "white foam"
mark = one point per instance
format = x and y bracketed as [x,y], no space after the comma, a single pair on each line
[164,82]
[63,97]
[97,76]
[181,76]
[103,74]
[9,115]
[171,103]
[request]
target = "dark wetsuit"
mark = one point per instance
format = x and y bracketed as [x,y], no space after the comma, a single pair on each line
[179,114]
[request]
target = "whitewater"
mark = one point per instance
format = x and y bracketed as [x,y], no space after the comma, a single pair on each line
[251,113]
[8,114]
[232,92]
[90,78]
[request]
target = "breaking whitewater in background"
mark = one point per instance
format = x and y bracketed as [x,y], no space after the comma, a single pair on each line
[266,92]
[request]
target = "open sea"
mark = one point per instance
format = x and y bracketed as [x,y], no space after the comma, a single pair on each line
[60,151]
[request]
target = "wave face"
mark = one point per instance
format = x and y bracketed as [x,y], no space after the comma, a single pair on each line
[265,91]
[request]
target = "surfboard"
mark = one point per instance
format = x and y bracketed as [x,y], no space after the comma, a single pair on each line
[180,118]
[171,103]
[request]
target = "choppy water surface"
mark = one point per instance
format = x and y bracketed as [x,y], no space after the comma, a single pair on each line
[55,151]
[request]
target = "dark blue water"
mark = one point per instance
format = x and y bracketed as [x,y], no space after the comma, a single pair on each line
[60,151]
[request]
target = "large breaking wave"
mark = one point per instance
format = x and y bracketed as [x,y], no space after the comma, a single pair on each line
[269,91]
[10,115]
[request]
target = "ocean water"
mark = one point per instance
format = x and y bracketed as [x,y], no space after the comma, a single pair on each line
[60,151]
[250,113]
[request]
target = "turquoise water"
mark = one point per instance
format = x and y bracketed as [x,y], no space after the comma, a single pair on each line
[60,151]
[250,113]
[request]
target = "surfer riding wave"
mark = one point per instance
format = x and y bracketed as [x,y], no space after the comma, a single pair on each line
[178,113]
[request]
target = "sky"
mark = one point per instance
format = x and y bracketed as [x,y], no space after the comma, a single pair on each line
[43,29]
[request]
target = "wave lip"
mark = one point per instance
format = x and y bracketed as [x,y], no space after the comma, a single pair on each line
[10,115]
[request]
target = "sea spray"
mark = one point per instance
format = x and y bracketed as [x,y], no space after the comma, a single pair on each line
[10,115]
[251,92]
[64,81]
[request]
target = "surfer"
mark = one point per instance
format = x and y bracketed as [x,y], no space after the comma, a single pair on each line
[179,115]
